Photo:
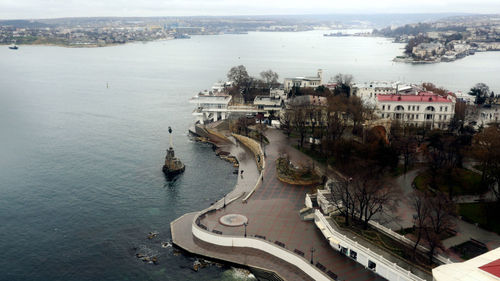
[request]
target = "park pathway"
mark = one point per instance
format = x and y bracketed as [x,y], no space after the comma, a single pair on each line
[272,212]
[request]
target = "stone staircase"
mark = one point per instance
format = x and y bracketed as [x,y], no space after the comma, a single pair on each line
[306,214]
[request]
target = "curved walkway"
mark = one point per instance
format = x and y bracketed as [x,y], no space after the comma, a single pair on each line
[272,212]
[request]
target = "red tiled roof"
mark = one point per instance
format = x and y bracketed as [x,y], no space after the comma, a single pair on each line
[492,268]
[421,97]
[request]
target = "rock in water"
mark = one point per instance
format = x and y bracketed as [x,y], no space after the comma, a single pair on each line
[173,165]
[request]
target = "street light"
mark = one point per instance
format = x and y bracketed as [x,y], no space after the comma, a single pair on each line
[245,225]
[312,252]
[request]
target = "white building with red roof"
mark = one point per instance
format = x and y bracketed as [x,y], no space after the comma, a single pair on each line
[425,108]
[485,267]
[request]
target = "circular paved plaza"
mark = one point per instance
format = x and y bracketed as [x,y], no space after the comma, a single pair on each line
[233,220]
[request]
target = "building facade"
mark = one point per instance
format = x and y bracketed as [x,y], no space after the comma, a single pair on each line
[368,92]
[210,107]
[423,109]
[304,82]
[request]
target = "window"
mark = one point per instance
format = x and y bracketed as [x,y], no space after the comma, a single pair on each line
[353,255]
[418,107]
[343,250]
[444,117]
[388,107]
[372,265]
[409,108]
[382,115]
[445,108]
[383,107]
[440,108]
[429,117]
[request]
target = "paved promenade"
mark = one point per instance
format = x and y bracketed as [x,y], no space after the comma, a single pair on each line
[272,212]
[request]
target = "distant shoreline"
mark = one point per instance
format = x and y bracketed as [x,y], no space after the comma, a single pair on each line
[77,46]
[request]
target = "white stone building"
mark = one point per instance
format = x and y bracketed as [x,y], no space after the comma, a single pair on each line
[304,82]
[468,99]
[423,109]
[271,105]
[210,107]
[368,92]
[488,114]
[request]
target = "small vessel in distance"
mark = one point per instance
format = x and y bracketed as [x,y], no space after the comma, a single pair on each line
[181,36]
[13,47]
[173,166]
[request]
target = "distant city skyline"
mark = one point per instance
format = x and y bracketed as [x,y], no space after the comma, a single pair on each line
[34,9]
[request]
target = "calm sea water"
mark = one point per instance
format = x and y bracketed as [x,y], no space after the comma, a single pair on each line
[84,133]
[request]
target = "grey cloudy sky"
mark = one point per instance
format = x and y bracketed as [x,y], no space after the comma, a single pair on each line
[16,9]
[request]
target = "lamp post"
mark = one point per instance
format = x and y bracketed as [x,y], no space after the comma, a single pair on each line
[224,206]
[312,252]
[245,225]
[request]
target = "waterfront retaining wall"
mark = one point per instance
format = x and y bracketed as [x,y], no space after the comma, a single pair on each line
[261,245]
[254,147]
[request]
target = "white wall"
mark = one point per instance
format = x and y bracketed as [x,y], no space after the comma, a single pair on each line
[258,244]
[384,268]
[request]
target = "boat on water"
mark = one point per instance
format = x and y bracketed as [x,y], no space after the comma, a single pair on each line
[13,47]
[173,165]
[181,36]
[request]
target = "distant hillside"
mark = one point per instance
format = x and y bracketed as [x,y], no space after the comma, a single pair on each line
[23,23]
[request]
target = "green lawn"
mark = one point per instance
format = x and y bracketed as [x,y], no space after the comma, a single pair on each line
[484,213]
[461,181]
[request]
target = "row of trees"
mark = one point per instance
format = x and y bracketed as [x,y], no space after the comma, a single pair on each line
[367,195]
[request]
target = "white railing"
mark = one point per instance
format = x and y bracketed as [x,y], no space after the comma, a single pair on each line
[261,245]
[257,184]
[393,269]
[407,241]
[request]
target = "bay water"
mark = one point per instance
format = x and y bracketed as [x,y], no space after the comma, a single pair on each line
[84,133]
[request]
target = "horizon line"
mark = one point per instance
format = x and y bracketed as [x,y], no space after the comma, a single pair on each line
[259,15]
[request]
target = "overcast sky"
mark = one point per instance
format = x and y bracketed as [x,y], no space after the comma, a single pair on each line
[25,9]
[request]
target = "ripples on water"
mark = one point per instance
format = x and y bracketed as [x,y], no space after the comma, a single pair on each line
[80,169]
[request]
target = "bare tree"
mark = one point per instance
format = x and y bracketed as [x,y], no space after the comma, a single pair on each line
[344,82]
[487,150]
[406,145]
[270,78]
[421,216]
[372,195]
[341,197]
[238,74]
[433,88]
[286,122]
[242,125]
[299,120]
[440,218]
